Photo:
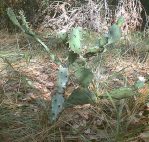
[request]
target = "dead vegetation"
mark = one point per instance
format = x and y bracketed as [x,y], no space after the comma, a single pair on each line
[27,80]
[96,15]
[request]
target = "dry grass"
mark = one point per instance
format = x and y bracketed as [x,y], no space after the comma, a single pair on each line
[96,15]
[27,80]
[26,87]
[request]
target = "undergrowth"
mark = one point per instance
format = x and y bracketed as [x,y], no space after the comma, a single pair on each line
[24,108]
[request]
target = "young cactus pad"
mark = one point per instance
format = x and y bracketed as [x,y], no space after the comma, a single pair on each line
[84,76]
[115,31]
[63,35]
[75,38]
[58,99]
[114,34]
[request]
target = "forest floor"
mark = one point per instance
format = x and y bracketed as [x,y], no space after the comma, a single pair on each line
[27,82]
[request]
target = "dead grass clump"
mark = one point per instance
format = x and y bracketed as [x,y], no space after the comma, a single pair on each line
[95,15]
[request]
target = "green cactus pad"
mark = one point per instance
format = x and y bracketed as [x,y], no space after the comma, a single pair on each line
[139,84]
[91,43]
[62,35]
[120,93]
[62,77]
[80,96]
[58,99]
[72,57]
[120,21]
[75,38]
[56,106]
[83,41]
[114,34]
[84,76]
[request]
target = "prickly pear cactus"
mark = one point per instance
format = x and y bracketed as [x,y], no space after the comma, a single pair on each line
[82,41]
[80,96]
[75,38]
[58,98]
[25,27]
[63,35]
[13,18]
[57,106]
[115,32]
[84,76]
[72,57]
[120,93]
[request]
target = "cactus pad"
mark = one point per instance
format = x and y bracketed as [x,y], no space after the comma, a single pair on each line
[114,34]
[120,93]
[75,39]
[58,99]
[84,76]
[80,96]
[115,31]
[62,35]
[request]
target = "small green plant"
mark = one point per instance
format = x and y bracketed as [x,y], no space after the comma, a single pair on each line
[82,42]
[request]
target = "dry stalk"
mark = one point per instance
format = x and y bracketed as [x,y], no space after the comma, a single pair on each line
[93,14]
